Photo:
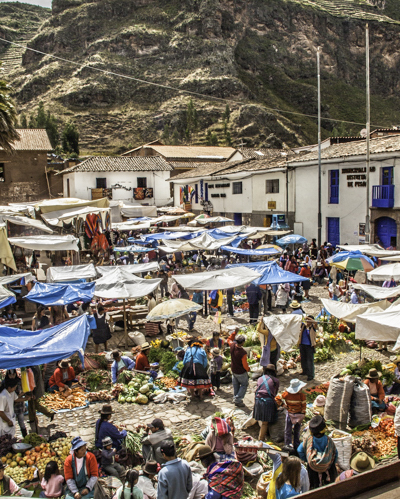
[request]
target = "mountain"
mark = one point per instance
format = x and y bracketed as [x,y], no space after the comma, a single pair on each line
[258,55]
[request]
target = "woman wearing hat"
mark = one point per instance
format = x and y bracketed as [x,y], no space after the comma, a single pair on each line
[104,428]
[320,273]
[265,409]
[297,310]
[194,373]
[142,361]
[80,471]
[295,401]
[62,377]
[319,405]
[359,462]
[376,390]
[320,453]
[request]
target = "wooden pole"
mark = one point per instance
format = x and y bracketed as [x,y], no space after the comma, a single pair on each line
[125,328]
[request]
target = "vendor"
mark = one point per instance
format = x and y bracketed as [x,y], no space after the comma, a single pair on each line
[142,361]
[7,485]
[9,314]
[104,428]
[151,441]
[120,364]
[80,471]
[376,390]
[220,439]
[215,342]
[7,399]
[359,463]
[62,377]
[40,319]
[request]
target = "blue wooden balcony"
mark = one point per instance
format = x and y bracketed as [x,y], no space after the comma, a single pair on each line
[383,196]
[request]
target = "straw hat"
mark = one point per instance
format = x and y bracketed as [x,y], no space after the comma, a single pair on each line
[64,364]
[215,351]
[361,461]
[320,401]
[295,304]
[296,385]
[145,346]
[373,374]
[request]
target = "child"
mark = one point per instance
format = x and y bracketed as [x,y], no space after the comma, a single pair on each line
[52,482]
[129,489]
[108,460]
[215,367]
[295,401]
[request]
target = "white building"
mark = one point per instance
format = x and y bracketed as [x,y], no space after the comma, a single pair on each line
[344,192]
[141,180]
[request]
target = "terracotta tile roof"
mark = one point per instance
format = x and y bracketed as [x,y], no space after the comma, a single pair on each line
[120,164]
[190,153]
[390,143]
[32,140]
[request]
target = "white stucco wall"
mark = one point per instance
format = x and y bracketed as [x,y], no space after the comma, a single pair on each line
[81,184]
[351,209]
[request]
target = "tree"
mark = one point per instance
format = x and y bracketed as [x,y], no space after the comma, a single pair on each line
[41,118]
[165,134]
[23,122]
[175,137]
[8,118]
[211,138]
[227,113]
[70,138]
[191,120]
[52,130]
[32,121]
[228,139]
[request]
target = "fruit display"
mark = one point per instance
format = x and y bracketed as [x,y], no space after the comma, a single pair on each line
[19,474]
[71,399]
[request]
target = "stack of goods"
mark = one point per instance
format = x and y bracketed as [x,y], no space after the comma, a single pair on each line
[380,441]
[70,400]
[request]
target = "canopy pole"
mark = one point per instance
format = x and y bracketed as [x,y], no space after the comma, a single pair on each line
[205,303]
[125,328]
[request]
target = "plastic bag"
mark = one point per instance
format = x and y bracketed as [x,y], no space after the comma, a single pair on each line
[277,430]
[338,399]
[343,446]
[27,380]
[137,337]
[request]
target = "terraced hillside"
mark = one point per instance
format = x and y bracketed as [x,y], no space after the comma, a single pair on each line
[258,55]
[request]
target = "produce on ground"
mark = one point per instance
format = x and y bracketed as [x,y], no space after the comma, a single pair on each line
[93,380]
[133,441]
[57,400]
[380,442]
[166,382]
[102,395]
[6,442]
[34,439]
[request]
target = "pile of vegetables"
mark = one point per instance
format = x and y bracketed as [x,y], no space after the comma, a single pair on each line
[140,390]
[312,393]
[166,382]
[6,443]
[34,439]
[71,399]
[117,389]
[95,379]
[102,395]
[125,377]
[362,368]
[381,441]
[133,441]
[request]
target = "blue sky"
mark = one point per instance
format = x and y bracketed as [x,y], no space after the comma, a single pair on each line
[43,3]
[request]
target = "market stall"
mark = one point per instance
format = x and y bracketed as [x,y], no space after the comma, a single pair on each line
[70,273]
[51,294]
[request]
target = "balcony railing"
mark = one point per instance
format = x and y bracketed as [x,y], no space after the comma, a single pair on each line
[383,196]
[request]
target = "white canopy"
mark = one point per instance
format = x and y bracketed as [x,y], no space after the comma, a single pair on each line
[208,220]
[5,295]
[48,243]
[217,279]
[385,272]
[70,273]
[16,209]
[29,222]
[395,258]
[8,279]
[59,216]
[285,329]
[166,218]
[377,292]
[120,284]
[137,268]
[349,311]
[382,326]
[369,249]
[202,242]
[133,210]
[131,225]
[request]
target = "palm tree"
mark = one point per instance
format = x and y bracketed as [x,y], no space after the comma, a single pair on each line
[8,118]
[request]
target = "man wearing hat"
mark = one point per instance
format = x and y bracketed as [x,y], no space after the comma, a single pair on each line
[320,453]
[359,463]
[376,390]
[7,485]
[319,273]
[142,362]
[239,367]
[80,471]
[146,477]
[151,441]
[62,377]
[104,428]
[295,401]
[121,363]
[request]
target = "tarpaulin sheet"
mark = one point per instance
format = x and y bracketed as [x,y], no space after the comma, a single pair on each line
[60,294]
[70,273]
[22,348]
[370,249]
[377,292]
[8,279]
[350,311]
[271,273]
[385,272]
[130,226]
[285,329]
[15,209]
[6,254]
[252,252]
[212,220]
[120,284]
[131,249]
[68,203]
[59,216]
[29,222]
[6,297]
[292,239]
[137,268]
[165,218]
[134,210]
[170,235]
[203,242]
[217,279]
[48,243]
[382,326]
[171,309]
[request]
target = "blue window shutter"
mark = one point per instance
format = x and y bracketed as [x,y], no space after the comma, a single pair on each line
[333,186]
[196,193]
[206,191]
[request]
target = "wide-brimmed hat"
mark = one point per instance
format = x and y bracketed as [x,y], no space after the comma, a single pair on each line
[215,351]
[317,424]
[204,451]
[319,264]
[106,409]
[361,461]
[107,441]
[150,467]
[145,346]
[320,401]
[373,374]
[77,443]
[64,364]
[296,385]
[295,304]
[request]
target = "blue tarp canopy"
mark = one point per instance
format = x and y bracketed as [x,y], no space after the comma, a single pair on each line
[60,294]
[291,239]
[271,273]
[21,348]
[6,297]
[139,219]
[252,252]
[170,235]
[131,249]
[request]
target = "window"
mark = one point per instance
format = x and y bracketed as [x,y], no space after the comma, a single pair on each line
[101,183]
[142,182]
[237,188]
[333,187]
[68,189]
[2,178]
[272,186]
[196,193]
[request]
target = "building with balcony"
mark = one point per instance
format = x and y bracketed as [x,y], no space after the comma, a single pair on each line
[344,195]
